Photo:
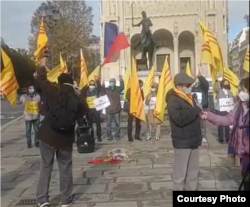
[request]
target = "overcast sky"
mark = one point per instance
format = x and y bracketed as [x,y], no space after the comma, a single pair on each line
[16,15]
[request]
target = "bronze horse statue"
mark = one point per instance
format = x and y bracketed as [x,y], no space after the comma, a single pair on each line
[147,46]
[146,41]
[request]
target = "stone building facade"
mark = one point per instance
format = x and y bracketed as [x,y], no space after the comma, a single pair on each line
[237,52]
[175,29]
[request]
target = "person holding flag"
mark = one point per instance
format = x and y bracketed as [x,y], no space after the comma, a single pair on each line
[201,86]
[184,118]
[131,117]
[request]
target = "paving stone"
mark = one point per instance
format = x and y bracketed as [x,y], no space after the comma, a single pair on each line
[93,174]
[140,196]
[226,184]
[92,198]
[144,161]
[121,187]
[101,180]
[157,203]
[120,173]
[162,186]
[147,179]
[158,171]
[80,181]
[94,188]
[135,167]
[117,204]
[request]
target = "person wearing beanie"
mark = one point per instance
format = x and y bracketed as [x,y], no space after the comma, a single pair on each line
[55,142]
[184,118]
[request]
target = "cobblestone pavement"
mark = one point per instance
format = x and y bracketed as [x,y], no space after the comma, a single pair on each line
[143,181]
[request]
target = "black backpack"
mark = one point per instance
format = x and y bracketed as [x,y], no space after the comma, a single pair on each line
[85,141]
[63,113]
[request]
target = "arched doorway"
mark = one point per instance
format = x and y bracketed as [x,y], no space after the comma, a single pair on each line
[186,51]
[164,41]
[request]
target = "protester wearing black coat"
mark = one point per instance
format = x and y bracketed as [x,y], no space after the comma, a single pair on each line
[202,86]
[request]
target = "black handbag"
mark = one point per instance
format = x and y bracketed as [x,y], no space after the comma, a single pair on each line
[85,141]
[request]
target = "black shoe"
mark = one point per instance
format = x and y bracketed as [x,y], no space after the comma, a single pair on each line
[29,146]
[110,138]
[46,204]
[138,138]
[130,139]
[37,145]
[99,139]
[220,141]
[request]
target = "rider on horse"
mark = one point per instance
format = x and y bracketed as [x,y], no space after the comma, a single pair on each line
[146,35]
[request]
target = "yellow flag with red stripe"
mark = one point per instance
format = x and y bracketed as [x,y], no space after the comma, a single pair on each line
[42,40]
[149,81]
[165,84]
[95,73]
[84,72]
[53,74]
[63,65]
[8,84]
[207,57]
[136,103]
[210,38]
[246,61]
[232,79]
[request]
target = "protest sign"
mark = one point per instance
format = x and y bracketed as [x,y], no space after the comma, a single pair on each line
[101,103]
[226,104]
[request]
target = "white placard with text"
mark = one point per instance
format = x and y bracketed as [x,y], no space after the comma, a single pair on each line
[101,103]
[226,104]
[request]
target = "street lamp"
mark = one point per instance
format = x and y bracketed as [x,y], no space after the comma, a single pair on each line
[50,14]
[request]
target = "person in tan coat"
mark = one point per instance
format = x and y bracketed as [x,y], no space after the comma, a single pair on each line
[151,119]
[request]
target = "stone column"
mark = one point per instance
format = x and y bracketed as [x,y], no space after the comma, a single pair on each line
[176,56]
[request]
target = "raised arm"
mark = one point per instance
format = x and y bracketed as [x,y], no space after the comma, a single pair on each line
[137,25]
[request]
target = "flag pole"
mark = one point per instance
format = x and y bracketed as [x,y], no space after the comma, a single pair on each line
[132,13]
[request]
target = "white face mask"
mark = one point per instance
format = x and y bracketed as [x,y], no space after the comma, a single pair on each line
[187,90]
[244,97]
[153,89]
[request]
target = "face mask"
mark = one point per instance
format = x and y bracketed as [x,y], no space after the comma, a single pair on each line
[91,87]
[75,85]
[187,90]
[244,97]
[112,84]
[31,90]
[153,89]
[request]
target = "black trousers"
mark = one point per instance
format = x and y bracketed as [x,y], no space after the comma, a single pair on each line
[137,126]
[223,133]
[95,117]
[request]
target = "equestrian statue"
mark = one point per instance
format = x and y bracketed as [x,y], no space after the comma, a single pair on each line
[146,41]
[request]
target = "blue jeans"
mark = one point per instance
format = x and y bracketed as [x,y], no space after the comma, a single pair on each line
[29,125]
[116,119]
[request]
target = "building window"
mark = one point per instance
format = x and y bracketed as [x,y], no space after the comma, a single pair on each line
[183,63]
[160,61]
